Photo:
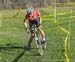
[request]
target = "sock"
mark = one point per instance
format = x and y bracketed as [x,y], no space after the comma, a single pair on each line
[44,39]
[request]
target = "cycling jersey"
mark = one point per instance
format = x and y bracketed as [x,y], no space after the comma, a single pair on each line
[33,16]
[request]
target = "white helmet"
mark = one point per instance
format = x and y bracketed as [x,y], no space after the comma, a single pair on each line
[29,10]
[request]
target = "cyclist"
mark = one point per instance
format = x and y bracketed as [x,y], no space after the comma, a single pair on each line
[33,17]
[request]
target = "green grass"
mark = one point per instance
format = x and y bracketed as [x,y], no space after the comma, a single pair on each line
[13,38]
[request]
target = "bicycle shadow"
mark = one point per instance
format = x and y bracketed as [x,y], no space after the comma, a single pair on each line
[19,56]
[16,59]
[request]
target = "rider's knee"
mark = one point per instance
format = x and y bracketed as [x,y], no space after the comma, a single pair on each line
[32,34]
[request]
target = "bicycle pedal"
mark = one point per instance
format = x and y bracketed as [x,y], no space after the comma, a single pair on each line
[43,42]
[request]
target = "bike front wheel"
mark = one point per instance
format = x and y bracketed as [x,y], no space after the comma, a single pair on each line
[40,46]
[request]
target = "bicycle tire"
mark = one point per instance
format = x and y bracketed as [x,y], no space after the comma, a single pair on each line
[40,46]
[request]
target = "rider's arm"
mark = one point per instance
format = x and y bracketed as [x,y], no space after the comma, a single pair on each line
[25,23]
[39,15]
[40,20]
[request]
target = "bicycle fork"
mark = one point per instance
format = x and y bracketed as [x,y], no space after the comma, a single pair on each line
[36,41]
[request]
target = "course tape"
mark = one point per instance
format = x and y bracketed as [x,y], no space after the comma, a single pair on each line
[58,14]
[65,43]
[59,18]
[63,29]
[42,17]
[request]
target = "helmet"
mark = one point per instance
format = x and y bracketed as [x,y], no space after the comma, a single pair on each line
[29,10]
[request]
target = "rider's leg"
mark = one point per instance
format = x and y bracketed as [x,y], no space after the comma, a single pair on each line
[32,34]
[30,40]
[42,33]
[43,37]
[40,29]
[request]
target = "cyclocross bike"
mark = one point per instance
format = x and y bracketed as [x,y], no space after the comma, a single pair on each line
[38,40]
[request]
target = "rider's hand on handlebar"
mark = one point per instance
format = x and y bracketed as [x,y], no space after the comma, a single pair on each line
[27,30]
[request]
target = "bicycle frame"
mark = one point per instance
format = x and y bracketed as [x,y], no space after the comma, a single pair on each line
[38,40]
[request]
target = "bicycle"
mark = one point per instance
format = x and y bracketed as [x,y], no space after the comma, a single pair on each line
[38,40]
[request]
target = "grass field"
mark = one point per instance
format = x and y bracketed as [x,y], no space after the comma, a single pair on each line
[13,37]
